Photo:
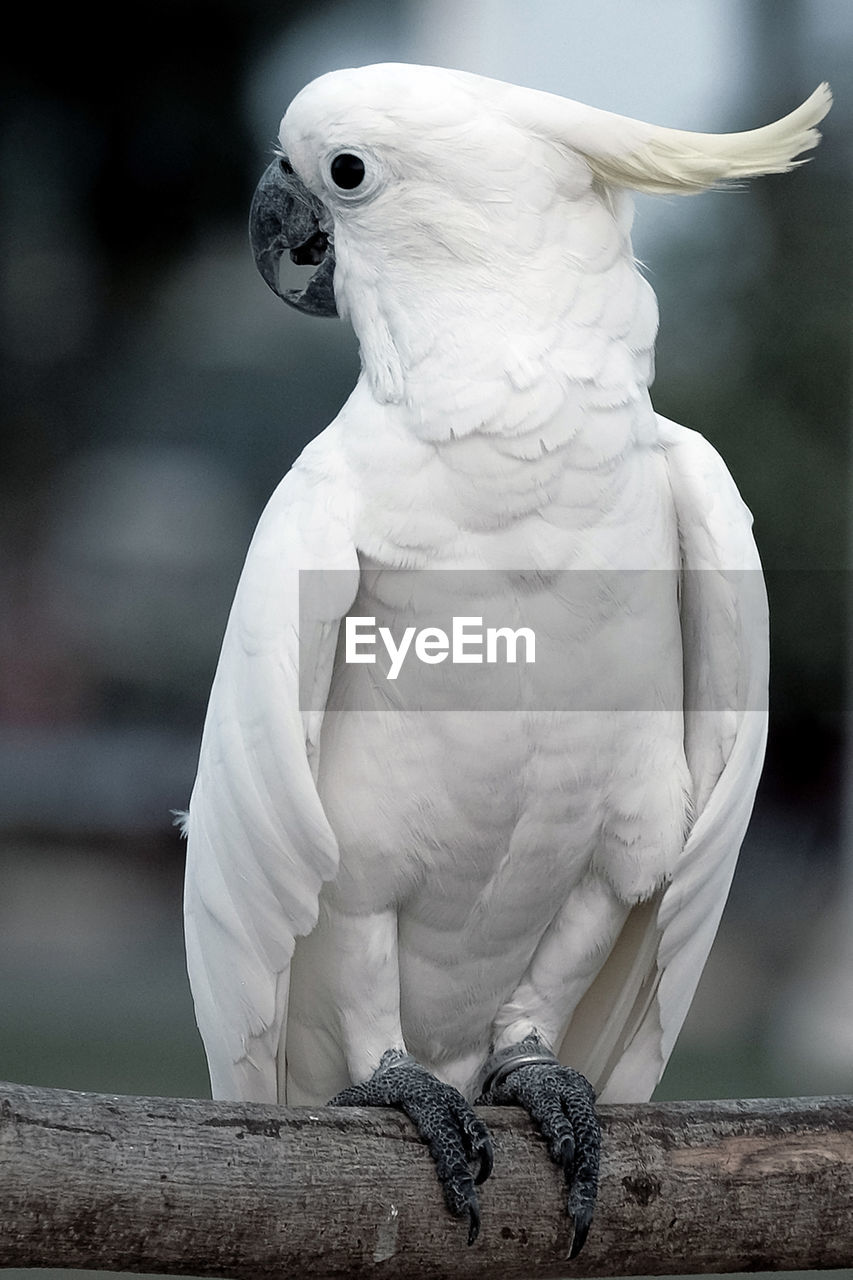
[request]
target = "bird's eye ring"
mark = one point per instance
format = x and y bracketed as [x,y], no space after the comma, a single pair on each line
[347,171]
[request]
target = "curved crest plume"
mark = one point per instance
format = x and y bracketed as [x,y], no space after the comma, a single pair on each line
[650,158]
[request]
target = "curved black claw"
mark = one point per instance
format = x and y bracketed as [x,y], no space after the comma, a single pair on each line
[456,1136]
[561,1103]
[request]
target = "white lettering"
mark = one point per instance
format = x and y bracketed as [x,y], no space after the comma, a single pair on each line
[432,645]
[511,638]
[352,639]
[461,637]
[395,653]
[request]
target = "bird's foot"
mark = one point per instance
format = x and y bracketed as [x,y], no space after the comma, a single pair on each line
[560,1102]
[457,1138]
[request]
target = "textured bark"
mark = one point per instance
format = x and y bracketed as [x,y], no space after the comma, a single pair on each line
[226,1189]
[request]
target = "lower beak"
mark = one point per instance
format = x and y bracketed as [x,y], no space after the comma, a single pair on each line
[286,217]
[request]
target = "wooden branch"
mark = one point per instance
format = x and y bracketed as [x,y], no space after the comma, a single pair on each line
[250,1191]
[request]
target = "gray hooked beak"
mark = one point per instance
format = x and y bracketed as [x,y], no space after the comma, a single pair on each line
[286,216]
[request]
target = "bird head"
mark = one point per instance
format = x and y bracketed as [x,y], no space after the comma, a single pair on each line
[426,185]
[406,167]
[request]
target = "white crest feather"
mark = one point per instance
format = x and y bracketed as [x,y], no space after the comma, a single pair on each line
[679,162]
[650,158]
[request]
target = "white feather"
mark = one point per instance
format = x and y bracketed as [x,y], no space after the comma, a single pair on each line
[258,842]
[650,158]
[626,1026]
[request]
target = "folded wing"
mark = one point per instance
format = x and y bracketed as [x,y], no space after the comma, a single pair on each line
[259,844]
[625,1028]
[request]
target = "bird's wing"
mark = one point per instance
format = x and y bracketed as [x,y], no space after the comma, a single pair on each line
[625,1028]
[259,843]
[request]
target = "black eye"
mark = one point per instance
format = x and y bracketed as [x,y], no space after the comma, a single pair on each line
[285,165]
[347,171]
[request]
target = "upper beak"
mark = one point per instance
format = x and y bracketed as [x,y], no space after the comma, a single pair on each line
[286,216]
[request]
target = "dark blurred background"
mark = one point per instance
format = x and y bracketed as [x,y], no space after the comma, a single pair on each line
[155,392]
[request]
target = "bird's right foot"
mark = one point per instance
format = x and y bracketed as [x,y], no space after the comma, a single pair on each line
[456,1136]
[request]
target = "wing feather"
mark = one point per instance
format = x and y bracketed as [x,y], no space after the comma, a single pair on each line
[259,843]
[656,964]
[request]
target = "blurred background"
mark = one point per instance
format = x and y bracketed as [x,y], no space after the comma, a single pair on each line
[155,391]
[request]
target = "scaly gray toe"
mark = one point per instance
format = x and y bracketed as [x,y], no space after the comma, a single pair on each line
[456,1136]
[561,1103]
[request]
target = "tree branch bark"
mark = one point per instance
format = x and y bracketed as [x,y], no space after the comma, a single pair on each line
[249,1191]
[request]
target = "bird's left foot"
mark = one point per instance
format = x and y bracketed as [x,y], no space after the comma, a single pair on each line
[560,1102]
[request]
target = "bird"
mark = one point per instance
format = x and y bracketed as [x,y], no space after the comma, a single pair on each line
[437,882]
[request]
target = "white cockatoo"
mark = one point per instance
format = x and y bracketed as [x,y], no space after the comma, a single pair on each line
[489,879]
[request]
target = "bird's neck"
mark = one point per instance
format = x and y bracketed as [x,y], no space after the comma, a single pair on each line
[560,342]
